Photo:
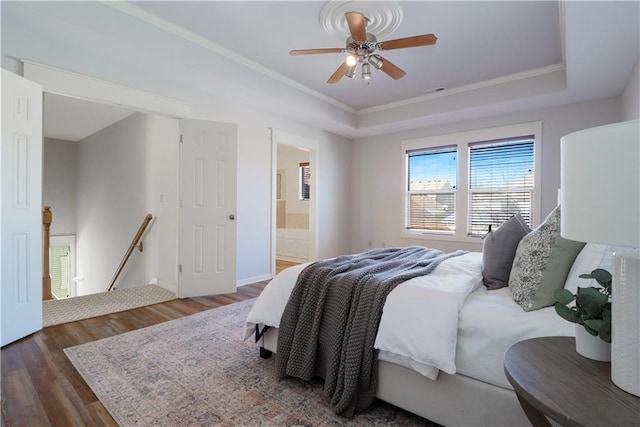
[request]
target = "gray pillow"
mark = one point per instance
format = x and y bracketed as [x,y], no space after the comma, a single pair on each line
[499,249]
[541,265]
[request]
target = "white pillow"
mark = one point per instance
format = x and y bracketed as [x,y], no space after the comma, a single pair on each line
[592,256]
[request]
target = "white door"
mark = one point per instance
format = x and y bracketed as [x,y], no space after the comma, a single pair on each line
[20,208]
[208,208]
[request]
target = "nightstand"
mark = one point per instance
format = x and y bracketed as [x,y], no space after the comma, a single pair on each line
[552,380]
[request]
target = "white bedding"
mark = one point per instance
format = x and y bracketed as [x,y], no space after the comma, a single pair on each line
[489,323]
[443,321]
[407,335]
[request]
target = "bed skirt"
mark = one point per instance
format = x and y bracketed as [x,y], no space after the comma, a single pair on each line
[452,400]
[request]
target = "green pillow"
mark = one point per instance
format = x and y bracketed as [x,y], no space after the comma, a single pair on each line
[541,264]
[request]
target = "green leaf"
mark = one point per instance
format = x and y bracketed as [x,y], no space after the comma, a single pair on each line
[591,301]
[592,331]
[605,331]
[567,313]
[602,276]
[594,324]
[563,296]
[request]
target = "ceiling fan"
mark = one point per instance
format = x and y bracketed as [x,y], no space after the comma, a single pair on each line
[362,46]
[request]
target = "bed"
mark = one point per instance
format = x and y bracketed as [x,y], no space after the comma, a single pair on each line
[462,382]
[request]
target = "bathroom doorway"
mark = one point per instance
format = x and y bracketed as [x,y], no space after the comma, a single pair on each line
[295,198]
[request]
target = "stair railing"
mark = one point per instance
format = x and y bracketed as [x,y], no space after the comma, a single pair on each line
[47,218]
[135,243]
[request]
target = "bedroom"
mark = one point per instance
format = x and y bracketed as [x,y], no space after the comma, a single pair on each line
[343,185]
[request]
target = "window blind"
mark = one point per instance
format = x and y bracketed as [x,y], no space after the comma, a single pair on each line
[305,178]
[501,182]
[431,187]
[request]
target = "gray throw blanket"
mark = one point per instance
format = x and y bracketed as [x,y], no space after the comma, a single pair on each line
[331,320]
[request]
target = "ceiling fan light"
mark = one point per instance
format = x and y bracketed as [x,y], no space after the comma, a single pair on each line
[351,71]
[376,61]
[351,60]
[366,72]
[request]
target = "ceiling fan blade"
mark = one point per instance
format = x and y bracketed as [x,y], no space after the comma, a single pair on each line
[423,40]
[315,51]
[356,25]
[337,75]
[391,69]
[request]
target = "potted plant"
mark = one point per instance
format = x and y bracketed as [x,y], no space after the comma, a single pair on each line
[591,313]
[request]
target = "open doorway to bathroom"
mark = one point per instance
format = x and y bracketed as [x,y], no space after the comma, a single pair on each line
[293,194]
[295,173]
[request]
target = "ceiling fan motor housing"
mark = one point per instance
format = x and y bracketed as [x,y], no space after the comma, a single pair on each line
[362,46]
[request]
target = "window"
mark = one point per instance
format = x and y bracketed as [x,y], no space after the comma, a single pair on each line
[305,177]
[500,182]
[59,261]
[432,189]
[459,186]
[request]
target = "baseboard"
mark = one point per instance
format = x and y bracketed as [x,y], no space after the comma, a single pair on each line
[167,286]
[255,279]
[291,259]
[243,282]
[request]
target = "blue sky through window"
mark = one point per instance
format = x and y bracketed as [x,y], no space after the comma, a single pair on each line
[434,166]
[492,165]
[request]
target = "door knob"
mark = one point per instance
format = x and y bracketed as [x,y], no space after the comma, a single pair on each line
[232,217]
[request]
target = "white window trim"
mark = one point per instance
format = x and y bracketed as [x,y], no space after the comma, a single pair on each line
[462,140]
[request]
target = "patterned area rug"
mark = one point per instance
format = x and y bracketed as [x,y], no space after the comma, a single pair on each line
[55,312]
[197,371]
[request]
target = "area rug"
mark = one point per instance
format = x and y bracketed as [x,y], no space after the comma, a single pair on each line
[197,371]
[55,312]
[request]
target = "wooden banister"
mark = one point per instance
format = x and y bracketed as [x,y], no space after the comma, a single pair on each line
[47,218]
[135,243]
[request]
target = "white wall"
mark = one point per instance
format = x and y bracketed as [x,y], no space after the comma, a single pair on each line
[59,184]
[118,184]
[162,186]
[631,95]
[121,172]
[376,214]
[255,186]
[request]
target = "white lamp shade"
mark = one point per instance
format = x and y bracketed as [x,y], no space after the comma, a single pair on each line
[600,182]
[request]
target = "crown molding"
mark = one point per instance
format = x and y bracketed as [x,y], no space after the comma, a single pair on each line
[550,69]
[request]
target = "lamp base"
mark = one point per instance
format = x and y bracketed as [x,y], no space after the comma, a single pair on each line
[625,329]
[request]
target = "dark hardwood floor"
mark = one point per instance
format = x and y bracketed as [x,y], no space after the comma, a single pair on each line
[40,387]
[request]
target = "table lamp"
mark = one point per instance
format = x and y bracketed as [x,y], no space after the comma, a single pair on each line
[600,182]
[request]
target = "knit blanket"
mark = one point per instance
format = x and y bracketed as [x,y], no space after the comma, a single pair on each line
[331,319]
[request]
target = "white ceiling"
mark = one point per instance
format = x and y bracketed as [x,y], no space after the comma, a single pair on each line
[265,32]
[492,57]
[72,119]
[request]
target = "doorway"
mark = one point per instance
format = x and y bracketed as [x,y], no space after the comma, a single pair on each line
[293,194]
[295,198]
[207,226]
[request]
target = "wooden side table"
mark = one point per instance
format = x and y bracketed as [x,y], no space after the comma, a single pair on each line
[552,380]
